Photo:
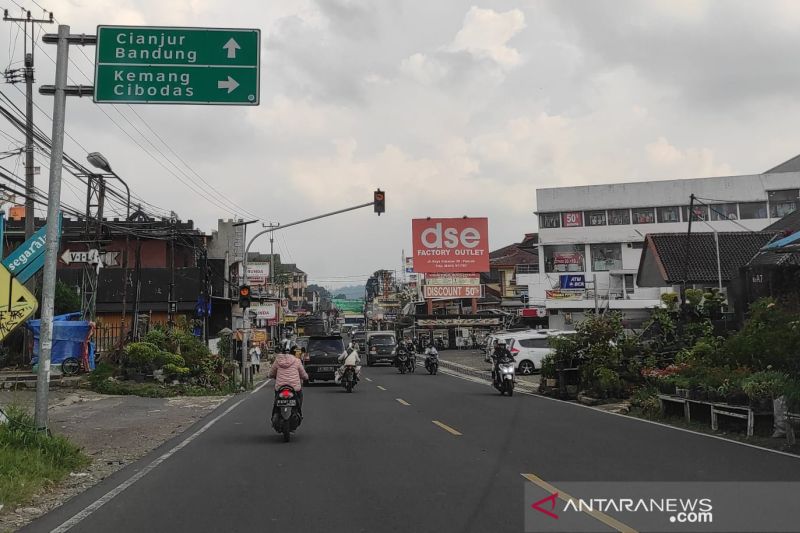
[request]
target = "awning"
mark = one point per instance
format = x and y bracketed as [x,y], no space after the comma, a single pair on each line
[793,239]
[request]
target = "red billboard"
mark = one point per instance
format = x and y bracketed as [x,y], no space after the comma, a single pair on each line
[450,244]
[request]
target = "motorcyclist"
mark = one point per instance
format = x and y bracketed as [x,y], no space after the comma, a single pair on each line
[289,370]
[411,350]
[430,352]
[500,354]
[349,358]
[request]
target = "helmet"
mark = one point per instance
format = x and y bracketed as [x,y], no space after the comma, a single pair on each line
[501,342]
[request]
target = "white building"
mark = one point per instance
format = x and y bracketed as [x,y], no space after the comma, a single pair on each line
[598,231]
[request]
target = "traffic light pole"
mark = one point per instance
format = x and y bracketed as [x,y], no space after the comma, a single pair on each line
[246,377]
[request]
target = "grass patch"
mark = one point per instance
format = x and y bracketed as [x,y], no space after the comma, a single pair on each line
[31,460]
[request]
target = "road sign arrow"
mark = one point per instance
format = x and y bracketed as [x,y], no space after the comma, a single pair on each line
[229,84]
[66,257]
[231,46]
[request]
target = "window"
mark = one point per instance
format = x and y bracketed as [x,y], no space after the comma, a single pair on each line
[700,212]
[536,342]
[606,257]
[643,215]
[618,217]
[630,283]
[669,214]
[564,258]
[573,219]
[595,218]
[549,220]
[781,203]
[748,210]
[724,212]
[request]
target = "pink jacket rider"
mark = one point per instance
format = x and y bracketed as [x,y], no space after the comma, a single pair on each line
[288,370]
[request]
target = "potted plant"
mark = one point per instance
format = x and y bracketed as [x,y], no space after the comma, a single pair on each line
[763,387]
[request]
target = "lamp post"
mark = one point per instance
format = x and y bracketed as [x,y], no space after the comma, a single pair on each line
[98,160]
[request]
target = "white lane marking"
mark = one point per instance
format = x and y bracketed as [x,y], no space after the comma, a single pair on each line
[110,495]
[369,380]
[381,388]
[402,401]
[627,417]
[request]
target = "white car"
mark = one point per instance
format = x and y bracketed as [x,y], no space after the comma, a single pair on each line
[530,349]
[508,336]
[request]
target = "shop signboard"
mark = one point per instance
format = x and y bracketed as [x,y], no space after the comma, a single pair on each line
[450,244]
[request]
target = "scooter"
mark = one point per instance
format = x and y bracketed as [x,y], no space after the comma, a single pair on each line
[403,362]
[505,377]
[432,362]
[349,379]
[286,417]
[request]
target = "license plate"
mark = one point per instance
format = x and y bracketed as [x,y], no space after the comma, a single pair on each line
[326,369]
[286,403]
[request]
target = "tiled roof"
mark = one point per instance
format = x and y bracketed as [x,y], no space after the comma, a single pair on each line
[512,255]
[788,224]
[736,249]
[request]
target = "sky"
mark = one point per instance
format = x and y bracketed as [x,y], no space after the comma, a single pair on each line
[452,107]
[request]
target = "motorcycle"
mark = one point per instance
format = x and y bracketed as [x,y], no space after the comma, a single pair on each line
[432,363]
[404,361]
[286,417]
[504,377]
[349,379]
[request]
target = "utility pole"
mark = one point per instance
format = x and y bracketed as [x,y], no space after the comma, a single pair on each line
[59,91]
[12,76]
[685,279]
[171,298]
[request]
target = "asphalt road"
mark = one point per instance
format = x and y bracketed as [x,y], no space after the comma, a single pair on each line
[368,462]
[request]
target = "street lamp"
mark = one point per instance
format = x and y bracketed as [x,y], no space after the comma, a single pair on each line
[98,160]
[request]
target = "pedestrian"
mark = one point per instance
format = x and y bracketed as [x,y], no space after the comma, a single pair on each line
[255,358]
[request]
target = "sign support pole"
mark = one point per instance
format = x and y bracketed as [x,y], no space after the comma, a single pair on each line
[51,246]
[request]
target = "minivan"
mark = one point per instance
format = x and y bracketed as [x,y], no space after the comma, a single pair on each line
[381,347]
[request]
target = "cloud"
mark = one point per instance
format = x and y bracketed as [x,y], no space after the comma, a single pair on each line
[423,69]
[671,161]
[485,34]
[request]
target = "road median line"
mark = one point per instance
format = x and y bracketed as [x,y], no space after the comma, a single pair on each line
[447,428]
[597,515]
[381,388]
[402,401]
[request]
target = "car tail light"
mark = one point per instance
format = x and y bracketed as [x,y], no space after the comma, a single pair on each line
[285,393]
[514,350]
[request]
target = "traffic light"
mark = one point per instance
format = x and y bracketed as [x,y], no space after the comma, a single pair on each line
[244,296]
[379,201]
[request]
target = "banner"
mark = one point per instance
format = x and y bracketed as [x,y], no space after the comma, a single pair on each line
[565,294]
[572,281]
[568,258]
[265,311]
[452,279]
[257,273]
[450,244]
[450,291]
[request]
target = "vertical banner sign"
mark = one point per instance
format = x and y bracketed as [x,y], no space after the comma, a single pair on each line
[450,244]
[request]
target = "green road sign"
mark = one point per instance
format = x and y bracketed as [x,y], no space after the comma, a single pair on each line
[154,65]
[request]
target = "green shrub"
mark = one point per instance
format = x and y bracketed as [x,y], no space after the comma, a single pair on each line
[189,347]
[646,400]
[157,337]
[165,358]
[765,385]
[769,338]
[606,383]
[141,355]
[174,371]
[548,364]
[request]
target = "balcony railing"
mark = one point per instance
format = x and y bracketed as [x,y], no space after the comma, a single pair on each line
[528,268]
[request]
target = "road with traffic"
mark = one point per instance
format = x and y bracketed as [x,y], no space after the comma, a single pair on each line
[402,453]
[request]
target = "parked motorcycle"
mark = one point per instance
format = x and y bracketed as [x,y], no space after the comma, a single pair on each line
[286,417]
[504,377]
[349,379]
[432,362]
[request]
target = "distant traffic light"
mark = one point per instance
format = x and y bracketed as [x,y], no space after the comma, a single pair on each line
[244,296]
[379,201]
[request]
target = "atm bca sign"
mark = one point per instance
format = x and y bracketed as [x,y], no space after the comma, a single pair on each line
[450,244]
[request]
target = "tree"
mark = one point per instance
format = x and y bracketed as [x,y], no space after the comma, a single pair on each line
[66,299]
[340,297]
